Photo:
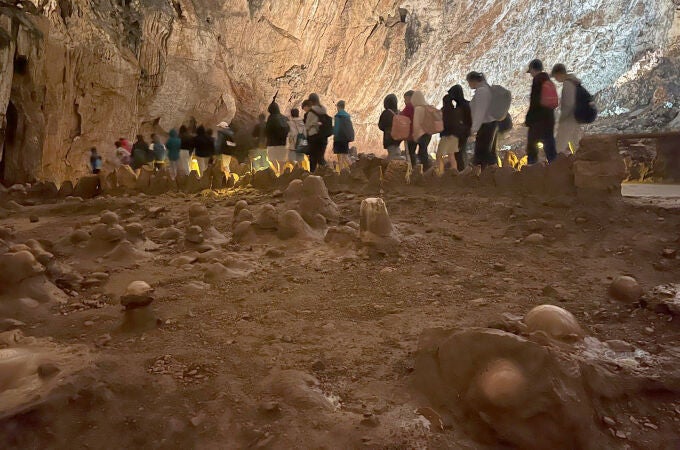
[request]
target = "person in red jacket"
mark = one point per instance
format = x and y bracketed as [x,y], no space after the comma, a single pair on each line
[540,119]
[409,111]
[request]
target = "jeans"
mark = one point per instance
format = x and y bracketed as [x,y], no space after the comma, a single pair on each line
[461,156]
[421,145]
[317,152]
[541,133]
[485,145]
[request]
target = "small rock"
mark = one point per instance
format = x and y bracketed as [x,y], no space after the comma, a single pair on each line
[269,408]
[581,220]
[10,324]
[103,340]
[650,425]
[88,323]
[47,370]
[609,421]
[34,219]
[669,253]
[534,238]
[498,267]
[625,289]
[318,366]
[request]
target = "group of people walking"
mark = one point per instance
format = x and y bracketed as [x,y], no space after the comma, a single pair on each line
[303,137]
[281,140]
[486,118]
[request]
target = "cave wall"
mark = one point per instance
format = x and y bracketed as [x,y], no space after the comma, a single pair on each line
[110,68]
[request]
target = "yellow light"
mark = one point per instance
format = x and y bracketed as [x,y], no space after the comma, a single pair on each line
[194,166]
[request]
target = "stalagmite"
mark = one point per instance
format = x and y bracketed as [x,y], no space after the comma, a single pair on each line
[376,228]
[554,321]
[137,314]
[626,289]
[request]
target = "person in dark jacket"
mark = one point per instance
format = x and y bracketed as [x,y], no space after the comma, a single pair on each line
[204,146]
[462,106]
[448,142]
[385,124]
[187,148]
[539,119]
[343,134]
[139,152]
[277,129]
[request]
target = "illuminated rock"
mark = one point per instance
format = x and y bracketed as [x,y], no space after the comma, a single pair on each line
[109,218]
[292,225]
[554,321]
[503,383]
[15,267]
[316,200]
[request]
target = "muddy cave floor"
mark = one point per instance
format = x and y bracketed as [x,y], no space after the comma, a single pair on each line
[350,321]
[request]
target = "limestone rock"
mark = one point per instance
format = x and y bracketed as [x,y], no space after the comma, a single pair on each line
[376,228]
[626,289]
[87,187]
[293,194]
[292,225]
[267,218]
[171,234]
[297,389]
[126,177]
[342,236]
[663,299]
[315,200]
[66,189]
[194,234]
[138,294]
[264,179]
[126,253]
[16,267]
[109,218]
[556,322]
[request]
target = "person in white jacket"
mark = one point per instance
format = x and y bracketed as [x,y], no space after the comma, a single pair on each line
[483,124]
[569,130]
[419,135]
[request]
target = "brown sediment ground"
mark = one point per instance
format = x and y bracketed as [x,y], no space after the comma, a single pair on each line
[273,343]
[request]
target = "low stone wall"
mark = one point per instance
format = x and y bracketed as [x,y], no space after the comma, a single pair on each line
[595,171]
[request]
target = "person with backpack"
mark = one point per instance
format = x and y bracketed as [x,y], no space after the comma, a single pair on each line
[139,150]
[427,120]
[569,129]
[448,142]
[277,129]
[463,131]
[385,125]
[204,147]
[343,134]
[408,112]
[185,152]
[484,123]
[174,146]
[160,152]
[297,137]
[541,115]
[319,126]
[95,161]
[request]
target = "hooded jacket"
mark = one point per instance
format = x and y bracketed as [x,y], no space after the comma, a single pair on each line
[419,104]
[277,127]
[463,109]
[479,107]
[204,144]
[385,122]
[297,126]
[343,129]
[568,100]
[537,114]
[174,144]
[139,153]
[312,120]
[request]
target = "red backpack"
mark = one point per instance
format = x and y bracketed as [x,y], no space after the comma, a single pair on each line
[549,97]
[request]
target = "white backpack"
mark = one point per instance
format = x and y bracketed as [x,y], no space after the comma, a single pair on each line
[501,99]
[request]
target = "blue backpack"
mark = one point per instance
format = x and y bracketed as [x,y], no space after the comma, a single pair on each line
[585,111]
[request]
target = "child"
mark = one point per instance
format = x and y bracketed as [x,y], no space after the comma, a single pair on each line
[95,161]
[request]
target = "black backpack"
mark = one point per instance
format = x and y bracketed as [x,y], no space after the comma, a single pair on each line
[283,127]
[326,125]
[585,110]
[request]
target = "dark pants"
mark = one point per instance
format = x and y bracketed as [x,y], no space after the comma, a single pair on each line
[317,152]
[543,133]
[485,145]
[421,145]
[461,156]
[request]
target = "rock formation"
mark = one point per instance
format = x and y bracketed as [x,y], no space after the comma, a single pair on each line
[77,74]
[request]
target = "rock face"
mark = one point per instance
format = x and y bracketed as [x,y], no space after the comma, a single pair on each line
[86,73]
